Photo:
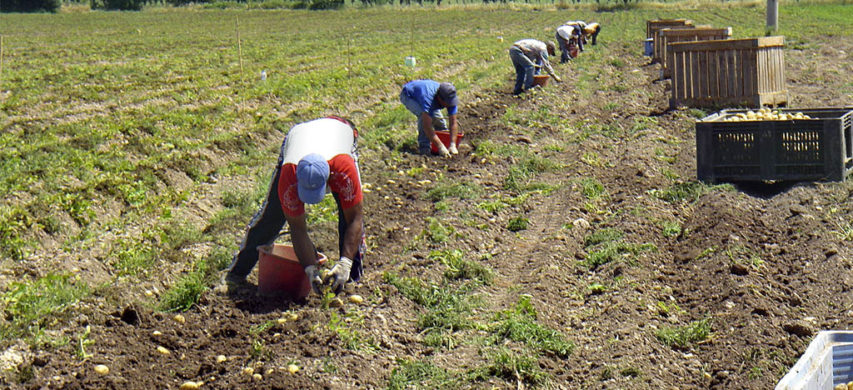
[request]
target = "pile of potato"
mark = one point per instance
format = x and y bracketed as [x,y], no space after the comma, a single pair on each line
[765,114]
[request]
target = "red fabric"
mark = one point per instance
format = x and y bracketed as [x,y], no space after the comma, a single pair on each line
[343,180]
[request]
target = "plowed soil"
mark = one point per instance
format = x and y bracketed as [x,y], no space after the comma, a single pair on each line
[768,263]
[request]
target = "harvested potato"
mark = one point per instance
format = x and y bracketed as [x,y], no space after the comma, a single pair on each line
[156,333]
[101,369]
[357,299]
[292,368]
[249,371]
[179,318]
[840,386]
[163,350]
[258,377]
[190,385]
[221,359]
[292,316]
[281,321]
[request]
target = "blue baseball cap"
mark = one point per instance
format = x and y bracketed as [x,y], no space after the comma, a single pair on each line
[312,172]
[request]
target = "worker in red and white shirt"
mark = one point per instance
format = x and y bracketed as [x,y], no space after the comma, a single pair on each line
[316,157]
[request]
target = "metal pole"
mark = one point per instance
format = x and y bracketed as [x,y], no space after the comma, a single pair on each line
[772,15]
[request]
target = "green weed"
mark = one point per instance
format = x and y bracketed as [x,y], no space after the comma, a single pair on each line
[421,375]
[348,334]
[519,324]
[685,336]
[457,190]
[689,191]
[606,245]
[671,228]
[511,366]
[517,224]
[30,306]
[460,268]
[438,232]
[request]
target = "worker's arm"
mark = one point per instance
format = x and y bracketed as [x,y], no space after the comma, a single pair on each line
[454,128]
[547,66]
[354,218]
[302,245]
[430,133]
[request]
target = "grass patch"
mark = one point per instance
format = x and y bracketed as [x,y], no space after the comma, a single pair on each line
[511,366]
[519,324]
[421,375]
[31,305]
[188,289]
[458,190]
[685,336]
[606,245]
[460,268]
[517,224]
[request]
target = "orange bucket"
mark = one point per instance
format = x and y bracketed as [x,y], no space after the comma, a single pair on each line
[540,80]
[279,272]
[444,137]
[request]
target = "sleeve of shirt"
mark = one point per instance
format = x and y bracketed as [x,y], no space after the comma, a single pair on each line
[452,110]
[543,59]
[344,180]
[288,194]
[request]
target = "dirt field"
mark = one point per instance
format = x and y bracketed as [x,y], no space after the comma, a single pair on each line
[768,264]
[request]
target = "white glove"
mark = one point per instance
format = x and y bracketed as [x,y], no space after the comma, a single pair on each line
[339,275]
[314,278]
[442,150]
[453,149]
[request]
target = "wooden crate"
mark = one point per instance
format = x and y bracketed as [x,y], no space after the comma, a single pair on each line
[819,148]
[669,35]
[731,72]
[654,26]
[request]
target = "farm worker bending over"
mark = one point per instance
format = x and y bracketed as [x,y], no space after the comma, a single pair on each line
[316,157]
[425,99]
[591,31]
[566,37]
[528,56]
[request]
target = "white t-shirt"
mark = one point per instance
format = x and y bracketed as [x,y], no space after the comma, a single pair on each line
[325,136]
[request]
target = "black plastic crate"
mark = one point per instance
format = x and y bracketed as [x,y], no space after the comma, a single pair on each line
[819,148]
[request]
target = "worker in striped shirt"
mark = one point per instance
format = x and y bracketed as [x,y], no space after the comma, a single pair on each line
[529,56]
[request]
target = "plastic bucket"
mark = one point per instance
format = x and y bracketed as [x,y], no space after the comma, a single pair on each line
[279,272]
[648,47]
[444,137]
[540,80]
[411,61]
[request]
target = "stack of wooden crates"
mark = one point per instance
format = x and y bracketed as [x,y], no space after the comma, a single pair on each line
[709,69]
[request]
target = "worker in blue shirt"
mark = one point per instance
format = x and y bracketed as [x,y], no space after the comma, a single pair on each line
[425,99]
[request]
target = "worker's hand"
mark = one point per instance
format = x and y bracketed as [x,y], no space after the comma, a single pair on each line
[452,149]
[314,278]
[339,275]
[442,150]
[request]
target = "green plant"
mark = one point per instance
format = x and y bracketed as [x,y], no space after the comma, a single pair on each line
[437,232]
[460,268]
[592,189]
[420,375]
[457,190]
[606,245]
[347,332]
[30,305]
[689,191]
[685,336]
[519,324]
[671,228]
[517,224]
[83,341]
[507,364]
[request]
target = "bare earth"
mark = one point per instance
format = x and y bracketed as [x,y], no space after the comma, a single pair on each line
[765,262]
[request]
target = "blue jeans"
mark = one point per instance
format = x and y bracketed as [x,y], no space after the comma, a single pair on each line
[268,222]
[438,122]
[524,70]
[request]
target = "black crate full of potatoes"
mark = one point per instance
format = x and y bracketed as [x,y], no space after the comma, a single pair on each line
[775,145]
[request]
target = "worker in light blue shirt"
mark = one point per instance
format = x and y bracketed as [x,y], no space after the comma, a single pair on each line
[425,99]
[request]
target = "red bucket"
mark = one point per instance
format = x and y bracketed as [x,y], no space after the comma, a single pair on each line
[279,272]
[444,136]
